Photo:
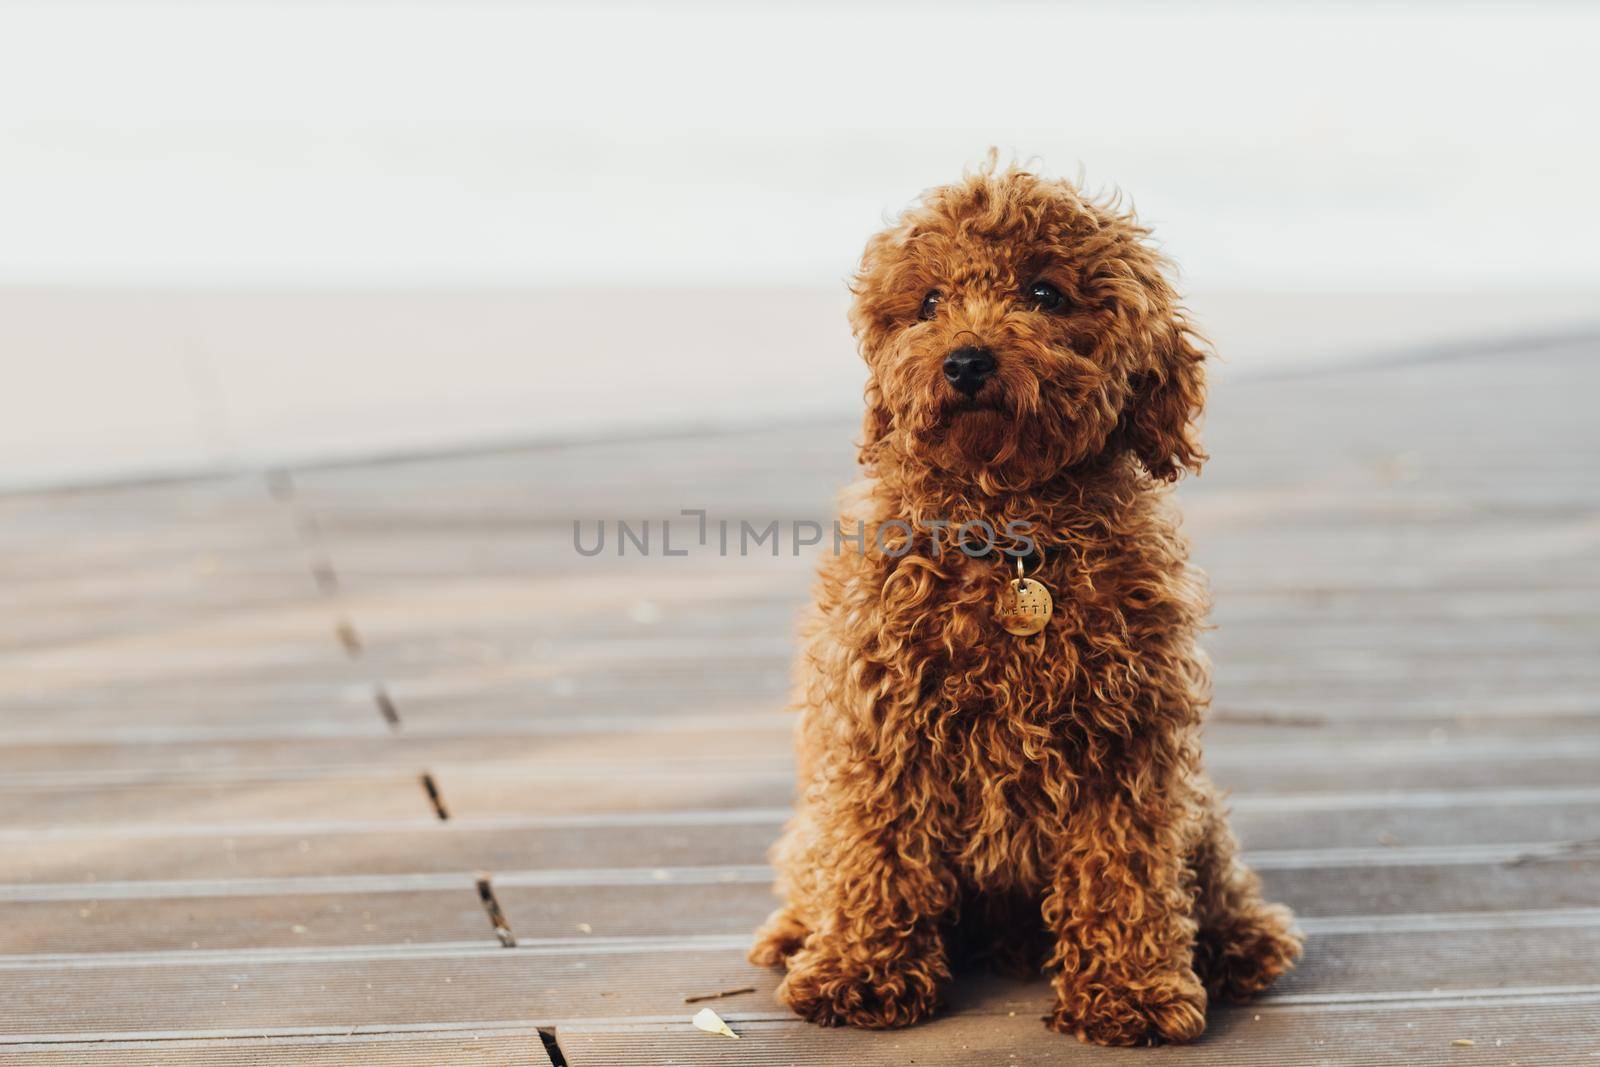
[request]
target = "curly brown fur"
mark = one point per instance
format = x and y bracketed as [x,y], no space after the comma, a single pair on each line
[1037,801]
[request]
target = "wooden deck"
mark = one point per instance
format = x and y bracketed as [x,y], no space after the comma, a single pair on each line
[366,764]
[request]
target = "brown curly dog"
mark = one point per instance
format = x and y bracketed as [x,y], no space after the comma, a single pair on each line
[1032,801]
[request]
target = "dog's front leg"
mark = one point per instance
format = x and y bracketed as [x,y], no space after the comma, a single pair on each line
[1124,927]
[875,956]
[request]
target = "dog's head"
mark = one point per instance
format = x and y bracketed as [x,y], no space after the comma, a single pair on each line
[1014,328]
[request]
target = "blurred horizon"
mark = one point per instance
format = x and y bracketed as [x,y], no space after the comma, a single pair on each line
[1287,156]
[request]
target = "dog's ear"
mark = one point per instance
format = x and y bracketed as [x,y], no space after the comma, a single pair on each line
[1148,335]
[872,321]
[1159,418]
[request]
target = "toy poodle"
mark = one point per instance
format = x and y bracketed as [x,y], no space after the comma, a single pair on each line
[1000,688]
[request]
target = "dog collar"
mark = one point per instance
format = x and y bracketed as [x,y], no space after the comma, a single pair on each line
[1031,560]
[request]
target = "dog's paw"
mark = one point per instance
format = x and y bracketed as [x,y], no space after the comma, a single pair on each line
[779,938]
[831,992]
[1241,957]
[1173,1011]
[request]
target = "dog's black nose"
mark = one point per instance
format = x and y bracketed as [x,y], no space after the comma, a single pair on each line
[968,368]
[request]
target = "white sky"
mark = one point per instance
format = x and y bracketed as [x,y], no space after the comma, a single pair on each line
[1293,146]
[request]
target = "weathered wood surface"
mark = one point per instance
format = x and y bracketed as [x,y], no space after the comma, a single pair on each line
[235,711]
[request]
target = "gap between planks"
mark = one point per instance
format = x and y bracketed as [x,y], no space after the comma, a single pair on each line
[1513,854]
[1416,923]
[1418,1000]
[281,487]
[598,721]
[444,822]
[1243,753]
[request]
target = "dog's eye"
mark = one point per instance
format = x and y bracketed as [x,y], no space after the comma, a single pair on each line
[1045,297]
[930,305]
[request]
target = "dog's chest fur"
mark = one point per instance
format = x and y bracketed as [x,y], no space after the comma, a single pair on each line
[1002,734]
[1002,719]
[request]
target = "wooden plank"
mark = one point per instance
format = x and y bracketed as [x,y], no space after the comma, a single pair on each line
[1391,490]
[1343,882]
[1223,730]
[516,1047]
[198,805]
[181,664]
[103,617]
[515,693]
[243,922]
[1553,1031]
[1401,775]
[1423,888]
[1261,826]
[169,714]
[728,909]
[492,621]
[1339,536]
[466,494]
[299,712]
[317,805]
[80,569]
[575,914]
[354,742]
[413,563]
[567,822]
[1262,821]
[548,787]
[196,580]
[1345,963]
[703,469]
[481,488]
[54,536]
[547,704]
[1385,657]
[519,986]
[673,604]
[491,986]
[733,909]
[353,746]
[396,848]
[672,909]
[498,800]
[758,633]
[52,616]
[227,651]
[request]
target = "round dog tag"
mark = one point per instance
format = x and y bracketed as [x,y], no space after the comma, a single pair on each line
[1025,607]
